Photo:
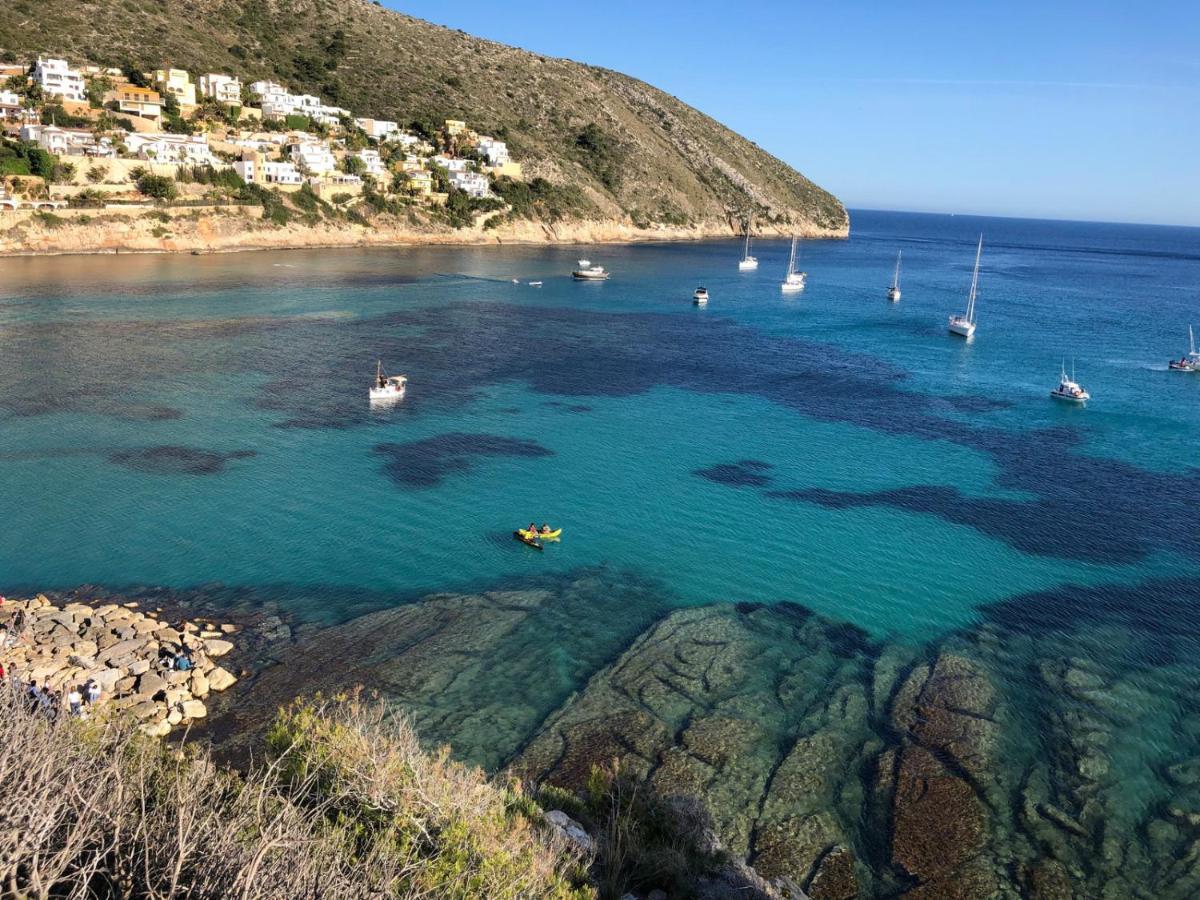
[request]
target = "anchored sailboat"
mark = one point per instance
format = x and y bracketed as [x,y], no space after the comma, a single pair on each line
[1189,363]
[793,281]
[964,325]
[748,262]
[894,290]
[387,387]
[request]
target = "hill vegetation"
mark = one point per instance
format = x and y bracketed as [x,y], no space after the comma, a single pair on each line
[615,147]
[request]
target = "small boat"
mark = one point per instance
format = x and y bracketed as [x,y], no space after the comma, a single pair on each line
[588,272]
[1189,363]
[535,284]
[700,296]
[964,325]
[524,538]
[1068,389]
[539,535]
[894,290]
[387,387]
[793,281]
[747,263]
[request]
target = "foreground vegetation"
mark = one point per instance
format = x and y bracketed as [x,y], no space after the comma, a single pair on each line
[343,803]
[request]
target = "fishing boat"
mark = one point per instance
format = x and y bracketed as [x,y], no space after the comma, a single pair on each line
[964,325]
[387,387]
[589,272]
[747,262]
[1068,389]
[700,296]
[894,290]
[1189,363]
[793,281]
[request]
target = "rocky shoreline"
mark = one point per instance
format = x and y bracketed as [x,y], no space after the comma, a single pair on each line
[235,229]
[156,672]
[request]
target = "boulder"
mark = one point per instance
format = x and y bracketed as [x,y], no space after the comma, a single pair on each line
[150,684]
[198,684]
[570,830]
[193,709]
[144,709]
[217,647]
[219,679]
[156,729]
[139,667]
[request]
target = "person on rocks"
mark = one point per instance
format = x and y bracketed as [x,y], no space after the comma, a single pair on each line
[183,661]
[92,691]
[33,696]
[75,702]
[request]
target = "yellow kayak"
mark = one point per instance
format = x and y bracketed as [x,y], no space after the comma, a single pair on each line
[539,536]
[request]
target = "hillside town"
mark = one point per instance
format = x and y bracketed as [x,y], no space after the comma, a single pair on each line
[84,136]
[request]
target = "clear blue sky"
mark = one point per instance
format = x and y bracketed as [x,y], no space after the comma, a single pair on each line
[1057,110]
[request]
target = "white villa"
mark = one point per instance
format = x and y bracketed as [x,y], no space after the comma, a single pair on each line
[450,164]
[315,158]
[380,129]
[58,79]
[372,164]
[494,151]
[225,89]
[264,172]
[67,141]
[190,149]
[472,183]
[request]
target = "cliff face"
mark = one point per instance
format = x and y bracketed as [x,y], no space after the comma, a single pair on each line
[640,155]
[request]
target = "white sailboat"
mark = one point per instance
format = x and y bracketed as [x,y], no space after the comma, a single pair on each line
[747,262]
[964,325]
[793,281]
[387,387]
[894,290]
[1189,363]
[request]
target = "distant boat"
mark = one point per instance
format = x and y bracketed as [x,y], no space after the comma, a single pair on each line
[588,272]
[747,262]
[894,290]
[1068,389]
[793,281]
[964,325]
[535,284]
[700,296]
[1189,363]
[387,387]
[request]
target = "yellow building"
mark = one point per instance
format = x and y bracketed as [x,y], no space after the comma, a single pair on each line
[178,84]
[139,101]
[454,127]
[420,183]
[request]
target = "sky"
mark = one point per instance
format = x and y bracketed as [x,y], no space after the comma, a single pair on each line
[1049,110]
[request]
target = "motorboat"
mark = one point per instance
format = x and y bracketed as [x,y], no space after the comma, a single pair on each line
[1189,363]
[893,293]
[700,296]
[964,325]
[1068,389]
[748,263]
[535,284]
[793,281]
[387,387]
[589,272]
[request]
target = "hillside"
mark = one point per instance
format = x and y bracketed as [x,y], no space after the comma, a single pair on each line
[639,154]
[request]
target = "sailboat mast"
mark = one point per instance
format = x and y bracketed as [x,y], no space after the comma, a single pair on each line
[749,228]
[974,283]
[896,277]
[792,259]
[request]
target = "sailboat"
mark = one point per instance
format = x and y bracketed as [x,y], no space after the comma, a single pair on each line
[1068,388]
[747,262]
[894,290]
[964,325]
[1189,363]
[387,387]
[793,281]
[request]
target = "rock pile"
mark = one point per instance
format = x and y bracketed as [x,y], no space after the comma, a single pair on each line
[121,649]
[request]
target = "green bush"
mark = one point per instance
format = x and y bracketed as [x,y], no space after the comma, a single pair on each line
[160,187]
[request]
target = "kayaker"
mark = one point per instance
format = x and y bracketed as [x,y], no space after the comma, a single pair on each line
[545,528]
[532,529]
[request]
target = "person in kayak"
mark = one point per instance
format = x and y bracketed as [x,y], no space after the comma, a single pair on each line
[532,529]
[545,528]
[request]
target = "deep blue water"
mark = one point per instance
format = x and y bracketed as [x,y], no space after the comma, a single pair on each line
[185,421]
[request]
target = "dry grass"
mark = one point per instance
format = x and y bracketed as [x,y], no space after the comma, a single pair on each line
[345,805]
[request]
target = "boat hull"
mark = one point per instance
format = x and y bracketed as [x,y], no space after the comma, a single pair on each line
[1071,398]
[961,327]
[583,276]
[747,265]
[699,301]
[384,394]
[1184,367]
[792,288]
[893,295]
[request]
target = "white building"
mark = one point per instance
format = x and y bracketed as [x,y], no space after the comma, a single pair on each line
[188,149]
[315,158]
[278,106]
[263,89]
[48,137]
[372,164]
[10,98]
[494,151]
[58,79]
[380,129]
[449,164]
[472,183]
[247,169]
[225,89]
[267,172]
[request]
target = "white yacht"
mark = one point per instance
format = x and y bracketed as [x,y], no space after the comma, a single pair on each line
[894,290]
[588,272]
[700,296]
[747,263]
[387,387]
[1068,388]
[793,281]
[964,325]
[1189,363]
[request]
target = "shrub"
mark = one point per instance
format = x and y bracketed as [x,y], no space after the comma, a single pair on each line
[49,220]
[160,187]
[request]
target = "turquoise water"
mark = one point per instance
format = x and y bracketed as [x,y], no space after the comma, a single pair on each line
[186,421]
